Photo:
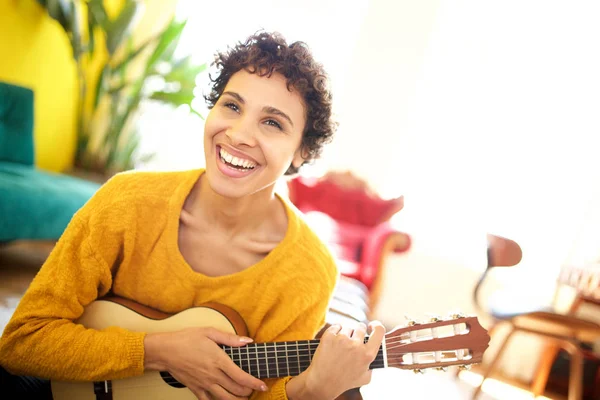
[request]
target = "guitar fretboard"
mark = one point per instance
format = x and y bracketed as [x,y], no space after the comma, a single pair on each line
[275,360]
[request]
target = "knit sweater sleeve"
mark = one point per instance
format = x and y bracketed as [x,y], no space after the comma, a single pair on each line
[42,340]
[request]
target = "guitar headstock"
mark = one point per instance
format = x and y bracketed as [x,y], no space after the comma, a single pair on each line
[438,343]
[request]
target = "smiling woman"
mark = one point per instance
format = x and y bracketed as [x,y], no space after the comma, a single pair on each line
[178,240]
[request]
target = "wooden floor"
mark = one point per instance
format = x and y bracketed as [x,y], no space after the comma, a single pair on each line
[20,262]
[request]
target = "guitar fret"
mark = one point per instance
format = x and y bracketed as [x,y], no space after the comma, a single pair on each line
[277,359]
[267,359]
[248,358]
[257,363]
[298,357]
[287,361]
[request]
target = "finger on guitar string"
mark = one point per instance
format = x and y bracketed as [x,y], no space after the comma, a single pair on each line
[226,338]
[232,386]
[360,330]
[346,331]
[377,333]
[238,377]
[332,330]
[241,377]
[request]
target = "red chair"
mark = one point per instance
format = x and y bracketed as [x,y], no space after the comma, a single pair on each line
[354,221]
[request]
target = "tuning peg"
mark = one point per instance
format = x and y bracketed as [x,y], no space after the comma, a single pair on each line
[434,319]
[418,371]
[464,367]
[410,321]
[443,369]
[457,315]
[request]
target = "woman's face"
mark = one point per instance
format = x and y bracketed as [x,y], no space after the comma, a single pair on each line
[253,134]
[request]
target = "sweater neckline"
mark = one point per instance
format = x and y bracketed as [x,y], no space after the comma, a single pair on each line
[176,203]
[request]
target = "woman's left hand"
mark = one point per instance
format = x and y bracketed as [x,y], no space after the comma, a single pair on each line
[342,360]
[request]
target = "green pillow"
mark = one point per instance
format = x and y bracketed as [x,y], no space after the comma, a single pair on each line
[16,124]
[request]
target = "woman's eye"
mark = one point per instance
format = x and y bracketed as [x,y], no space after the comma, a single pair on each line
[274,123]
[232,106]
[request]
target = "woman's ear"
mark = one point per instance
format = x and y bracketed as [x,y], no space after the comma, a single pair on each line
[300,156]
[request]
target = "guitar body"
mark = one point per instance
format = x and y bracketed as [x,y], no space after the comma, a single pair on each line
[151,386]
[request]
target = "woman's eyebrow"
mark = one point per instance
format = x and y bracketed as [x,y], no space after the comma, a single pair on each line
[275,111]
[236,96]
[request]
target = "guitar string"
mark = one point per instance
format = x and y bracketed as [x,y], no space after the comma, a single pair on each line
[378,362]
[265,351]
[390,345]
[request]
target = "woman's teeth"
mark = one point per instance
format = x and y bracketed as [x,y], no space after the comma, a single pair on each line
[235,161]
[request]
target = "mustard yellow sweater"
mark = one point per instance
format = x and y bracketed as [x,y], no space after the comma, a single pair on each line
[125,240]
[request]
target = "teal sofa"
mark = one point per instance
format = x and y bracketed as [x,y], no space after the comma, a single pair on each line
[34,204]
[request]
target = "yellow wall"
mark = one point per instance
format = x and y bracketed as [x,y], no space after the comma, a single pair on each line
[35,52]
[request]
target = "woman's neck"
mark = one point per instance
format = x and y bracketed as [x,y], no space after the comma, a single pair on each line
[232,216]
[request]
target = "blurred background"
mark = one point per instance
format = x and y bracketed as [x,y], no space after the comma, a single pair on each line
[481,116]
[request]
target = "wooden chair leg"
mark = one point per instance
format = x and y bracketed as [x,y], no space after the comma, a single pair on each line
[575,372]
[490,368]
[597,385]
[542,372]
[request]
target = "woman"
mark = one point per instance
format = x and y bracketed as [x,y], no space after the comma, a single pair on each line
[176,240]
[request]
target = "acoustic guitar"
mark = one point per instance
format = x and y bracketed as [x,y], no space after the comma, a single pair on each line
[438,343]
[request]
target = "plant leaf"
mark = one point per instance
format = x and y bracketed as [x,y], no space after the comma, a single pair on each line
[184,71]
[76,38]
[101,86]
[169,39]
[60,10]
[123,25]
[131,55]
[175,98]
[92,23]
[96,8]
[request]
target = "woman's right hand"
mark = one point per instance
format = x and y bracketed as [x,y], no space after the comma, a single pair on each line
[193,357]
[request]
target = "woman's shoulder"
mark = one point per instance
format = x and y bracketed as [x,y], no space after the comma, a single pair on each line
[133,189]
[143,184]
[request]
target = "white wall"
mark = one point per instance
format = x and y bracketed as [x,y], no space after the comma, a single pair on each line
[485,115]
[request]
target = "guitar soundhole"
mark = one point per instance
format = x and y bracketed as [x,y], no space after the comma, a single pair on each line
[169,380]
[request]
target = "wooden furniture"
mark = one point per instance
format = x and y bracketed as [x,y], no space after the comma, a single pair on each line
[585,281]
[562,331]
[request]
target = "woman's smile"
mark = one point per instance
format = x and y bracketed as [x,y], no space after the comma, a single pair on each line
[234,165]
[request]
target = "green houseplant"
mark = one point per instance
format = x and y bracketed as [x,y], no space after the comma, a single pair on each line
[129,76]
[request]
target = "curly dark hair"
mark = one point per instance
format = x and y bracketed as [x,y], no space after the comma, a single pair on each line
[266,53]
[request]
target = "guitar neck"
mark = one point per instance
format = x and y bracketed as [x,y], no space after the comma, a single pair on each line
[275,360]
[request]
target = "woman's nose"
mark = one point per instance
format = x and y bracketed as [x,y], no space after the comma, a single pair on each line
[242,133]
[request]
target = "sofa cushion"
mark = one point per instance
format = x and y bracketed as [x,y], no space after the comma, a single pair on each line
[16,124]
[38,205]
